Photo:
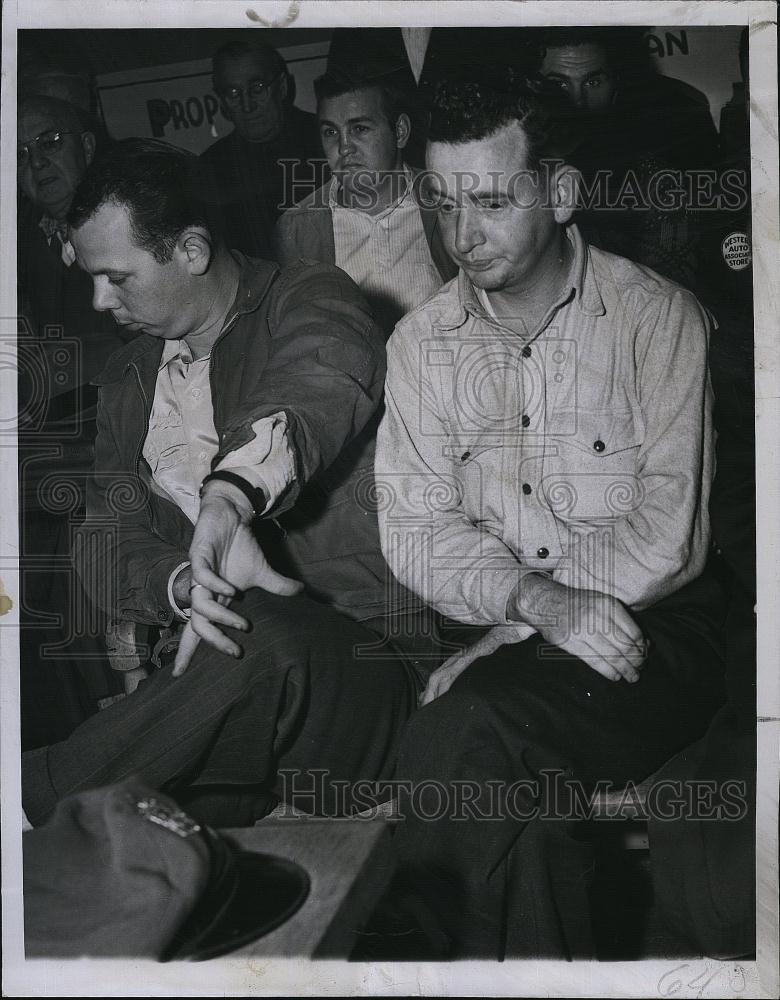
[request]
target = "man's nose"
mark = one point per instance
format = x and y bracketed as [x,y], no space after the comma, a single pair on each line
[248,103]
[577,95]
[38,159]
[103,294]
[345,143]
[467,234]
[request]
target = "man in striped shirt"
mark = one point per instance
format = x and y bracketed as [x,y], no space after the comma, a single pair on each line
[368,219]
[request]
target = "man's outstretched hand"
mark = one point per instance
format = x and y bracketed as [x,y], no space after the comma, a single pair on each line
[225,560]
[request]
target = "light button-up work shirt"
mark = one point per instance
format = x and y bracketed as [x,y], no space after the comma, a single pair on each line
[582,449]
[386,255]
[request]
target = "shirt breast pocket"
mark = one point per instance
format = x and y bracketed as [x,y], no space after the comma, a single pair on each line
[592,475]
[481,469]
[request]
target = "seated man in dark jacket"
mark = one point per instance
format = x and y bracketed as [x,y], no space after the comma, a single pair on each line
[244,404]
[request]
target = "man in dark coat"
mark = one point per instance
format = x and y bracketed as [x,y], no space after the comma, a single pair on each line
[265,164]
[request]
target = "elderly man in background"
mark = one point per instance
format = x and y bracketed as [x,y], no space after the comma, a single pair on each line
[368,218]
[271,158]
[55,145]
[63,343]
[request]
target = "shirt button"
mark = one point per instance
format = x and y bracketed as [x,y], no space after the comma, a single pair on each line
[162,615]
[543,552]
[527,488]
[196,393]
[599,445]
[526,420]
[526,351]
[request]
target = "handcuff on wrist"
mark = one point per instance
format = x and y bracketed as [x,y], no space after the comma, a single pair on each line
[256,495]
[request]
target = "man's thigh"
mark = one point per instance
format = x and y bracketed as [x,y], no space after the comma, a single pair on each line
[300,696]
[532,704]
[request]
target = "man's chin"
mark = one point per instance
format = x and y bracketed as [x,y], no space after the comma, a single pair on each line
[260,131]
[485,278]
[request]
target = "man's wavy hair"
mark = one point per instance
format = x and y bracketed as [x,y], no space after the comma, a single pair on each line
[160,186]
[469,110]
[397,99]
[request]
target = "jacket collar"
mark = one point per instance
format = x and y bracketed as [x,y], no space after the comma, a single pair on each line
[583,285]
[255,278]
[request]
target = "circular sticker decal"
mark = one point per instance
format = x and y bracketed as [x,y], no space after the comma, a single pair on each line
[736,251]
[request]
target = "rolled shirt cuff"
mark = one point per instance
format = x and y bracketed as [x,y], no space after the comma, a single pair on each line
[183,614]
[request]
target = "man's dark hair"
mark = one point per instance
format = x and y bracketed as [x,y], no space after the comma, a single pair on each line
[245,47]
[159,185]
[625,51]
[469,110]
[396,98]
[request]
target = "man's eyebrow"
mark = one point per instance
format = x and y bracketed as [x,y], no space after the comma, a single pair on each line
[572,76]
[350,121]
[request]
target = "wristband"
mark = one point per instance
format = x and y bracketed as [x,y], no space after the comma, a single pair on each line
[256,495]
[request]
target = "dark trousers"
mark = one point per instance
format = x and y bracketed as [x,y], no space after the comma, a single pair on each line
[313,690]
[488,837]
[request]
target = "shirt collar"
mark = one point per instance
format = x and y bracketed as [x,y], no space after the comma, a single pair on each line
[333,197]
[581,282]
[59,228]
[52,227]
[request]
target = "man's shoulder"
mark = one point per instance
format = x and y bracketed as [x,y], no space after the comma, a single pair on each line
[629,281]
[440,311]
[318,200]
[314,279]
[125,355]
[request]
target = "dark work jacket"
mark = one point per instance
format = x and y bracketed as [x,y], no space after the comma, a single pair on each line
[300,341]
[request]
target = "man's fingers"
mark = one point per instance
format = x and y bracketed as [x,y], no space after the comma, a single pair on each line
[187,646]
[439,682]
[275,583]
[216,611]
[606,657]
[627,629]
[214,637]
[203,574]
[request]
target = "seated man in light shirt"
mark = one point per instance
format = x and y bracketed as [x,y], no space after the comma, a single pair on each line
[546,456]
[228,477]
[368,219]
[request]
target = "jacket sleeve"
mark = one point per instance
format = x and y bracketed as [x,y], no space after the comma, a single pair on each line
[324,373]
[285,245]
[428,541]
[123,564]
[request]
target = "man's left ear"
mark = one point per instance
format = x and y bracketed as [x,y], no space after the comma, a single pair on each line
[284,87]
[88,145]
[564,191]
[194,245]
[403,129]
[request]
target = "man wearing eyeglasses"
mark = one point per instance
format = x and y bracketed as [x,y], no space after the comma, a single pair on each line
[54,148]
[63,344]
[249,172]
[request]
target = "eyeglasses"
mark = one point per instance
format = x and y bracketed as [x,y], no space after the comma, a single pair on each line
[47,143]
[260,90]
